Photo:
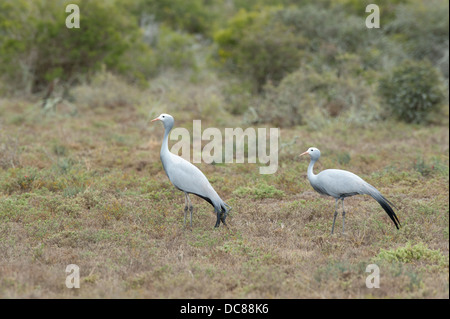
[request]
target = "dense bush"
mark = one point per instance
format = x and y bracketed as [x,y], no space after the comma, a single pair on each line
[37,47]
[342,33]
[412,91]
[258,48]
[174,50]
[281,61]
[169,50]
[423,30]
[138,64]
[193,16]
[307,96]
[358,7]
[326,28]
[237,97]
[267,44]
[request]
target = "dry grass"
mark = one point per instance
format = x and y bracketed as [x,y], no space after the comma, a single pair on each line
[88,188]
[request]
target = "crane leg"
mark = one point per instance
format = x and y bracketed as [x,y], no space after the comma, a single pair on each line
[343,216]
[185,207]
[222,218]
[191,209]
[335,215]
[218,218]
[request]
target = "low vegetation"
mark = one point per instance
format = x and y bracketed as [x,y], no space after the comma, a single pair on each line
[89,189]
[413,91]
[81,181]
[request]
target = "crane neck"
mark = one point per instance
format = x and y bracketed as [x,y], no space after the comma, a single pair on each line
[311,174]
[165,143]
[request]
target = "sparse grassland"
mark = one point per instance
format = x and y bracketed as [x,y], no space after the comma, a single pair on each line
[88,188]
[81,180]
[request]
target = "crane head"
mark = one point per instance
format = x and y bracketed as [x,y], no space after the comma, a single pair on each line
[167,120]
[313,152]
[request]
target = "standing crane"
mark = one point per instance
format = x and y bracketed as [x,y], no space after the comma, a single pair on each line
[340,184]
[188,178]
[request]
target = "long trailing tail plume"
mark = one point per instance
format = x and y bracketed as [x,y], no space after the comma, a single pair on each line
[385,204]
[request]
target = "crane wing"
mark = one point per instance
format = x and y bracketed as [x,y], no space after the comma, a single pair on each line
[340,183]
[188,178]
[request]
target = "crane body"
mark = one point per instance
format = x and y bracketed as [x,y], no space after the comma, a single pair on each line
[188,178]
[340,184]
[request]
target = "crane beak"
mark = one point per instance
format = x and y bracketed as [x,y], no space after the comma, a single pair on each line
[304,153]
[157,119]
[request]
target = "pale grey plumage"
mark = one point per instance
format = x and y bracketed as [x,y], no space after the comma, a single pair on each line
[187,177]
[340,184]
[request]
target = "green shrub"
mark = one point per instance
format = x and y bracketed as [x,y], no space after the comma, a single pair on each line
[193,16]
[35,52]
[409,254]
[329,29]
[427,39]
[138,64]
[258,48]
[238,97]
[308,97]
[345,33]
[358,7]
[174,50]
[169,49]
[412,91]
